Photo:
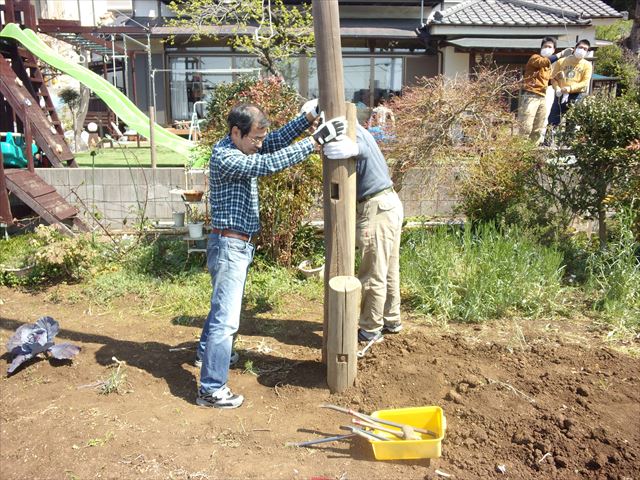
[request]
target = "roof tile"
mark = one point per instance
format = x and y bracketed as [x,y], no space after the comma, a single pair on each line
[523,12]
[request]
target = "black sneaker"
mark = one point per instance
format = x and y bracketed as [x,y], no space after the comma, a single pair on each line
[235,357]
[366,337]
[221,398]
[392,328]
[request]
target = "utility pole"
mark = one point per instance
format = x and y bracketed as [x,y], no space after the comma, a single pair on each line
[341,288]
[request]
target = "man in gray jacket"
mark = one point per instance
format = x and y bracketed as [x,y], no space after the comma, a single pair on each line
[378,228]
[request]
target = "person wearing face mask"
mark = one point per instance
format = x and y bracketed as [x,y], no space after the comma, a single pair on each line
[570,79]
[532,112]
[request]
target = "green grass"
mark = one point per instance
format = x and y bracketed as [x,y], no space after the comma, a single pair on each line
[130,156]
[16,252]
[473,276]
[614,281]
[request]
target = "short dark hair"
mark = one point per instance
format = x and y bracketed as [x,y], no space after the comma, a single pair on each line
[584,41]
[244,115]
[548,39]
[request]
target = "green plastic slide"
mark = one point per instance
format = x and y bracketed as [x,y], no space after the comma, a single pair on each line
[116,100]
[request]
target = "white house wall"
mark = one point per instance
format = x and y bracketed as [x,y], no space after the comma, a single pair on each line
[454,63]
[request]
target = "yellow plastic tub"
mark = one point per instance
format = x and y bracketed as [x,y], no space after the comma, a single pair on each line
[428,418]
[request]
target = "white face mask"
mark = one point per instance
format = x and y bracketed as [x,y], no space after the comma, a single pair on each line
[580,53]
[546,52]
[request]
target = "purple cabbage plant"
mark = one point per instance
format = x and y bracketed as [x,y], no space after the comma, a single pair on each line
[34,338]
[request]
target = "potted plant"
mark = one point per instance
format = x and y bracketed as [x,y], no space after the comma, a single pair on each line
[313,267]
[197,219]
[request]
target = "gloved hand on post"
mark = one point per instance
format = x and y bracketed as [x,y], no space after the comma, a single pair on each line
[566,52]
[311,107]
[340,149]
[330,130]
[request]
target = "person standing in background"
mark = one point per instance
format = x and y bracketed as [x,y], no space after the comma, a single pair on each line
[532,112]
[570,79]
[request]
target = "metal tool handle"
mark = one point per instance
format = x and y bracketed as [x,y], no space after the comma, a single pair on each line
[320,440]
[363,433]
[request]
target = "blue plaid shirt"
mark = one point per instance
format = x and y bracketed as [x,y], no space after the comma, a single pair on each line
[233,176]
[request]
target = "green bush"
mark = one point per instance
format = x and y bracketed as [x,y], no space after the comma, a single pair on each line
[497,181]
[473,276]
[600,133]
[287,197]
[617,61]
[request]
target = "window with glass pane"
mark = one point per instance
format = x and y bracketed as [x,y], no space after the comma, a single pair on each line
[387,77]
[191,81]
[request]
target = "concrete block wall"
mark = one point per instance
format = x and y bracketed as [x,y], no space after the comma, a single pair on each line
[430,191]
[120,194]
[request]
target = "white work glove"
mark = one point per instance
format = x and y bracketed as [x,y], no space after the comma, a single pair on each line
[566,52]
[340,149]
[565,98]
[311,107]
[330,130]
[558,92]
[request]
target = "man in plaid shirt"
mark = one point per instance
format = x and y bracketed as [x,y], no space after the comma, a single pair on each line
[246,153]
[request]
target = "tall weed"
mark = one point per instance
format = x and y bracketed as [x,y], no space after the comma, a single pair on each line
[475,275]
[614,279]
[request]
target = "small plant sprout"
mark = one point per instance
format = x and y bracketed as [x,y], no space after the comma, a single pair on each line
[116,382]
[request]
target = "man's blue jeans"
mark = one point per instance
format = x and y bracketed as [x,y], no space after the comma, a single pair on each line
[228,261]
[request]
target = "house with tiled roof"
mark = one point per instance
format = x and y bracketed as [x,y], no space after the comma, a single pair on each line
[386,45]
[506,32]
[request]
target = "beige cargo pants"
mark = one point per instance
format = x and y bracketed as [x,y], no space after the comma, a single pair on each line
[378,229]
[532,115]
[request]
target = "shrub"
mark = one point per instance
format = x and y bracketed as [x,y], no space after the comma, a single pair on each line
[475,276]
[53,256]
[600,133]
[497,181]
[444,119]
[287,197]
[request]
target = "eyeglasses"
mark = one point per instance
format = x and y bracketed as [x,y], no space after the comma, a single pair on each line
[256,140]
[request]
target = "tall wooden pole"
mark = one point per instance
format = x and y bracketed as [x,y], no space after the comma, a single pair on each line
[339,189]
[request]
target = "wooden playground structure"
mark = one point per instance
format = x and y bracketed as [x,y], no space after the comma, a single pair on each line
[27,113]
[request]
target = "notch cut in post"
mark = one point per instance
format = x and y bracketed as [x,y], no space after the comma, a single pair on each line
[335,191]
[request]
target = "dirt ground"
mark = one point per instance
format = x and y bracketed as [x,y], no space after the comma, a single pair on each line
[544,399]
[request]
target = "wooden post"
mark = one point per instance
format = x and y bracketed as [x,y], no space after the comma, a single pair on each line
[28,140]
[339,187]
[5,206]
[344,305]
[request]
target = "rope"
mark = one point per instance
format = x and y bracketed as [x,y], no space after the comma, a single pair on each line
[256,34]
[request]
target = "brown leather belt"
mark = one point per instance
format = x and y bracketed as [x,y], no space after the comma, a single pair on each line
[231,234]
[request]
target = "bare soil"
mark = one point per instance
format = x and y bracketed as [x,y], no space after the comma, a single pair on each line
[544,399]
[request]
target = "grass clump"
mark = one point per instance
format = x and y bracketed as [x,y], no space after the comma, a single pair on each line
[476,275]
[613,279]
